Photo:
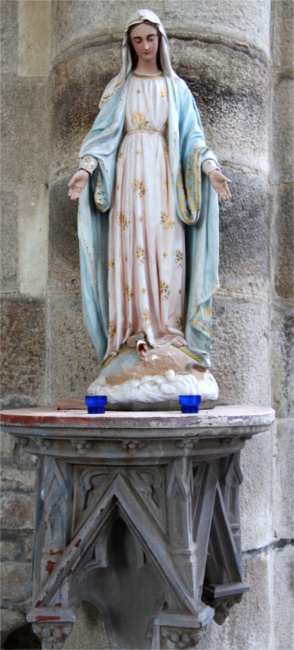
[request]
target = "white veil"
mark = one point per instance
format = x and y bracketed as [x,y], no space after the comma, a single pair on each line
[139,17]
[136,19]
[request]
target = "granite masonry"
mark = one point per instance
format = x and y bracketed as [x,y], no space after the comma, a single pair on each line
[237,58]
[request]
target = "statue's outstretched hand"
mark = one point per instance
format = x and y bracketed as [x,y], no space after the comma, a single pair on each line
[220,183]
[77,183]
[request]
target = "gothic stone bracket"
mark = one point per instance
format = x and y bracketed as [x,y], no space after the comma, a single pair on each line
[137,514]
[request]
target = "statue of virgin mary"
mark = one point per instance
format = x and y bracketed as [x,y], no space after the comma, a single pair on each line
[148,191]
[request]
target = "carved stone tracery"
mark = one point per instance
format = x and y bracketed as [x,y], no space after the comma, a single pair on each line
[148,531]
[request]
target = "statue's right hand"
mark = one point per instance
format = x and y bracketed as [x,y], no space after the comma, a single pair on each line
[77,183]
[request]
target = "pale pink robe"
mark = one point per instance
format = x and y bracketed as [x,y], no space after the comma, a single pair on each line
[146,237]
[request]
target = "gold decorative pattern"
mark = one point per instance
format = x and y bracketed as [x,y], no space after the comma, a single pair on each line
[111,264]
[120,155]
[104,98]
[164,93]
[88,164]
[179,259]
[139,188]
[118,187]
[128,292]
[140,219]
[201,327]
[112,328]
[122,220]
[147,76]
[139,119]
[146,317]
[164,255]
[138,153]
[99,195]
[143,290]
[180,323]
[192,176]
[166,221]
[164,290]
[140,254]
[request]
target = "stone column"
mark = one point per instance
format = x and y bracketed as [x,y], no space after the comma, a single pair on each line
[282,294]
[222,50]
[230,53]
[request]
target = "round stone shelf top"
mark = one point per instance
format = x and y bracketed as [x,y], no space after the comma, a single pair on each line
[221,416]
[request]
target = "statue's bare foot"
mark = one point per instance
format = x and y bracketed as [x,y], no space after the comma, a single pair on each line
[132,340]
[180,343]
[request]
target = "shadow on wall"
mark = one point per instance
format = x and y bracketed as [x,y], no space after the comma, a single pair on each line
[22,639]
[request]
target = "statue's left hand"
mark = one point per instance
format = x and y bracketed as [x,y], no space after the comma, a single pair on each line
[220,183]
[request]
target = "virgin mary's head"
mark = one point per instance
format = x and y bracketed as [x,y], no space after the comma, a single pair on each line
[135,49]
[129,56]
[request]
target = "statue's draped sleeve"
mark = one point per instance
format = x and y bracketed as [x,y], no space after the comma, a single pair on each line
[197,207]
[102,143]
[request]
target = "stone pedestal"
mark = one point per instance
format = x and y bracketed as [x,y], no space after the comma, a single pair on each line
[138,514]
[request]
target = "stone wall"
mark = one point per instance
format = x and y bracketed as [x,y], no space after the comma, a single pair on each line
[237,58]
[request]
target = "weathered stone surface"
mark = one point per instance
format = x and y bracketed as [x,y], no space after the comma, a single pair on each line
[283,130]
[240,350]
[74,361]
[16,548]
[282,374]
[250,623]
[283,485]
[9,20]
[21,458]
[209,46]
[231,92]
[16,582]
[88,631]
[23,637]
[283,240]
[11,546]
[282,22]
[256,492]
[25,136]
[28,540]
[7,446]
[283,560]
[9,619]
[63,238]
[21,479]
[247,22]
[9,241]
[34,38]
[17,511]
[33,240]
[245,218]
[23,352]
[78,84]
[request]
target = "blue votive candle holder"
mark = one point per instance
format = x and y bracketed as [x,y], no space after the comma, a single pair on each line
[190,403]
[96,403]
